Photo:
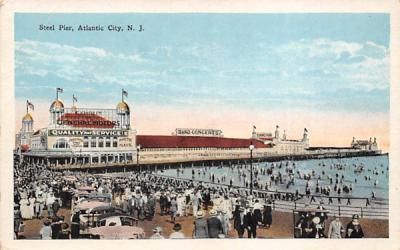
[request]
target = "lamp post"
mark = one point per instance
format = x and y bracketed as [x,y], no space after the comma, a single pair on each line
[251,148]
[137,157]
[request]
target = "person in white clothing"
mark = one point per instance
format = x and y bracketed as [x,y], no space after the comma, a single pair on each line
[335,228]
[25,209]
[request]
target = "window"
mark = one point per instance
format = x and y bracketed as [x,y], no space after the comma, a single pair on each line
[102,223]
[115,142]
[93,142]
[108,143]
[101,142]
[61,143]
[85,142]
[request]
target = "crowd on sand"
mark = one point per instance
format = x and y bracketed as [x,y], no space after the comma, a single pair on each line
[40,193]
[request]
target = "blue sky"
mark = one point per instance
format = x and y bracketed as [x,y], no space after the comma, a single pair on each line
[313,62]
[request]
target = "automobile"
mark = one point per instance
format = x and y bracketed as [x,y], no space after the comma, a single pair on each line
[117,226]
[90,208]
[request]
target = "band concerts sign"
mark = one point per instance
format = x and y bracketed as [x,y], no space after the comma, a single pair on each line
[86,132]
[198,132]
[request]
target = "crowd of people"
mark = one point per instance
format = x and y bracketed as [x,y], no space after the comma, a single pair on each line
[40,193]
[328,180]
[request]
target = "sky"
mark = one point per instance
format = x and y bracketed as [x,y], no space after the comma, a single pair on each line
[326,72]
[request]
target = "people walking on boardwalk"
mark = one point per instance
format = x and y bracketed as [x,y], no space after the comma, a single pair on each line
[267,215]
[173,209]
[163,203]
[239,221]
[353,229]
[46,232]
[336,228]
[251,223]
[214,225]
[132,193]
[200,226]
[75,224]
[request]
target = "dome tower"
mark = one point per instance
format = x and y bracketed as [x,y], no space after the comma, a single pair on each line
[56,108]
[123,112]
[27,123]
[27,120]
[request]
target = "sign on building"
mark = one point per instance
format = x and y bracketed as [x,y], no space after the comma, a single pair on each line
[198,132]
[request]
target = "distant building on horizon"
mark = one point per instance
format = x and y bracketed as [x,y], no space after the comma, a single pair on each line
[91,136]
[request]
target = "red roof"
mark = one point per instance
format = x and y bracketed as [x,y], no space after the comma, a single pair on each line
[168,141]
[88,120]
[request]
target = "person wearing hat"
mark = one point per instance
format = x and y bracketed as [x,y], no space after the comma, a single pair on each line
[251,223]
[151,206]
[157,234]
[206,199]
[17,219]
[173,209]
[45,231]
[267,215]
[39,205]
[177,234]
[200,226]
[214,224]
[56,206]
[224,217]
[64,234]
[55,227]
[75,223]
[163,203]
[49,204]
[335,228]
[323,216]
[238,221]
[317,229]
[353,229]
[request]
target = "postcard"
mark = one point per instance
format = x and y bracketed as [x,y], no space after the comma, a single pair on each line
[224,125]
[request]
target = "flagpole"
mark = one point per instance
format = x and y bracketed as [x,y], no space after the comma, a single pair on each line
[27,106]
[122,95]
[57,94]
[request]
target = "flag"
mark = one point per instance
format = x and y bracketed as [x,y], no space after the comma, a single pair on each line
[124,93]
[30,105]
[254,127]
[74,98]
[61,90]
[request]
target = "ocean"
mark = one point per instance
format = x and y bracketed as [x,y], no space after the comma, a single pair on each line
[373,177]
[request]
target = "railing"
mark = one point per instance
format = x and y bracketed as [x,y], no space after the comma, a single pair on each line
[341,210]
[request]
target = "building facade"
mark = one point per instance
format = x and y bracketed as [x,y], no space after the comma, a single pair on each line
[98,137]
[281,145]
[367,145]
[79,136]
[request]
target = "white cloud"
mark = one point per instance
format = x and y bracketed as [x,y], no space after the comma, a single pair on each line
[299,69]
[363,66]
[85,64]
